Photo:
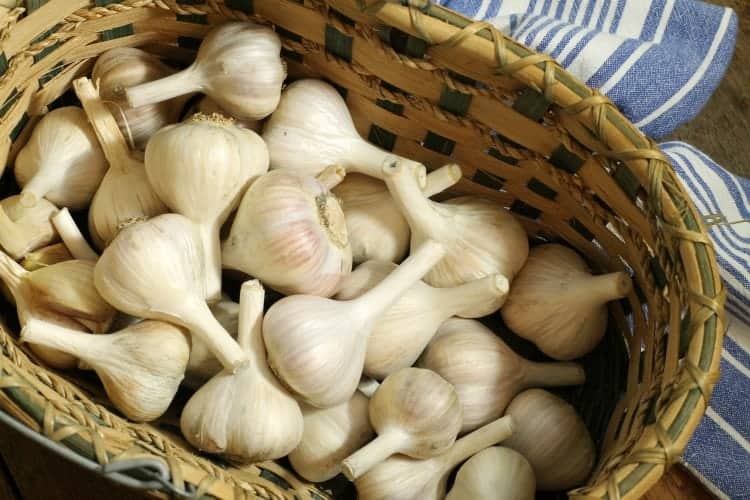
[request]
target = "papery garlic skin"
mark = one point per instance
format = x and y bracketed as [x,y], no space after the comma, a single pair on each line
[208,106]
[122,67]
[312,129]
[480,237]
[556,303]
[25,229]
[46,256]
[61,162]
[290,233]
[222,156]
[141,367]
[553,438]
[485,372]
[238,64]
[329,436]
[497,473]
[404,330]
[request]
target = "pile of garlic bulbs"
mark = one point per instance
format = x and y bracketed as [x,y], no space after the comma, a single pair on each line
[373,364]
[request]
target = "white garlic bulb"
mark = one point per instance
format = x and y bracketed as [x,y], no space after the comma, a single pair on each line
[25,229]
[553,438]
[486,372]
[376,228]
[480,237]
[141,366]
[122,67]
[290,233]
[404,330]
[125,193]
[61,162]
[238,64]
[556,303]
[496,473]
[312,129]
[330,435]
[316,346]
[246,415]
[204,182]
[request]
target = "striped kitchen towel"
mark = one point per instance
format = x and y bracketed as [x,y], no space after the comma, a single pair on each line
[658,60]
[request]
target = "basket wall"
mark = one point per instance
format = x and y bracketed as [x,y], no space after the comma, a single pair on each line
[430,85]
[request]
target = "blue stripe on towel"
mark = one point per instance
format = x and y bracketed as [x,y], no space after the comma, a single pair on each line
[738,353]
[734,388]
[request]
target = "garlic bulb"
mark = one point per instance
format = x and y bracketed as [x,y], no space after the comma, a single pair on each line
[203,364]
[122,67]
[72,238]
[376,228]
[25,229]
[238,65]
[140,366]
[71,288]
[496,473]
[125,193]
[486,373]
[329,436]
[404,478]
[553,438]
[480,237]
[316,346]
[290,233]
[46,256]
[61,162]
[223,157]
[404,330]
[556,303]
[415,412]
[208,106]
[312,129]
[154,270]
[245,415]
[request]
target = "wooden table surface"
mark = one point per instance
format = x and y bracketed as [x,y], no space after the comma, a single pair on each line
[29,472]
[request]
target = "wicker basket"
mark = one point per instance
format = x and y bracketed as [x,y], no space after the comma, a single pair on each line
[428,84]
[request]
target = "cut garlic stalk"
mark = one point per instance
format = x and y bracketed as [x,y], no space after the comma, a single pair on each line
[486,373]
[140,366]
[312,129]
[223,157]
[46,256]
[61,162]
[70,234]
[25,229]
[480,237]
[316,346]
[496,473]
[404,330]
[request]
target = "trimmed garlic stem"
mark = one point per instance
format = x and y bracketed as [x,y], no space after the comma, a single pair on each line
[377,450]
[11,273]
[414,205]
[370,160]
[460,298]
[368,386]
[441,179]
[553,374]
[250,321]
[163,89]
[50,335]
[111,140]
[209,234]
[12,238]
[37,188]
[332,176]
[602,288]
[484,437]
[70,235]
[379,298]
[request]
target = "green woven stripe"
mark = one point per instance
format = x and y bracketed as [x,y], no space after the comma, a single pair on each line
[625,178]
[187,42]
[660,278]
[283,33]
[19,127]
[8,102]
[338,44]
[51,74]
[119,32]
[32,5]
[3,63]
[292,56]
[192,18]
[404,43]
[581,228]
[391,106]
[488,179]
[499,156]
[565,160]
[274,478]
[525,210]
[44,53]
[532,104]
[382,137]
[438,143]
[541,188]
[454,101]
[245,6]
[685,333]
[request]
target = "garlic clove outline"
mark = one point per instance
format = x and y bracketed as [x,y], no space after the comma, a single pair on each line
[26,229]
[497,473]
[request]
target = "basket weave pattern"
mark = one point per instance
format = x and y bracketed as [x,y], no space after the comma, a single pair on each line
[529,136]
